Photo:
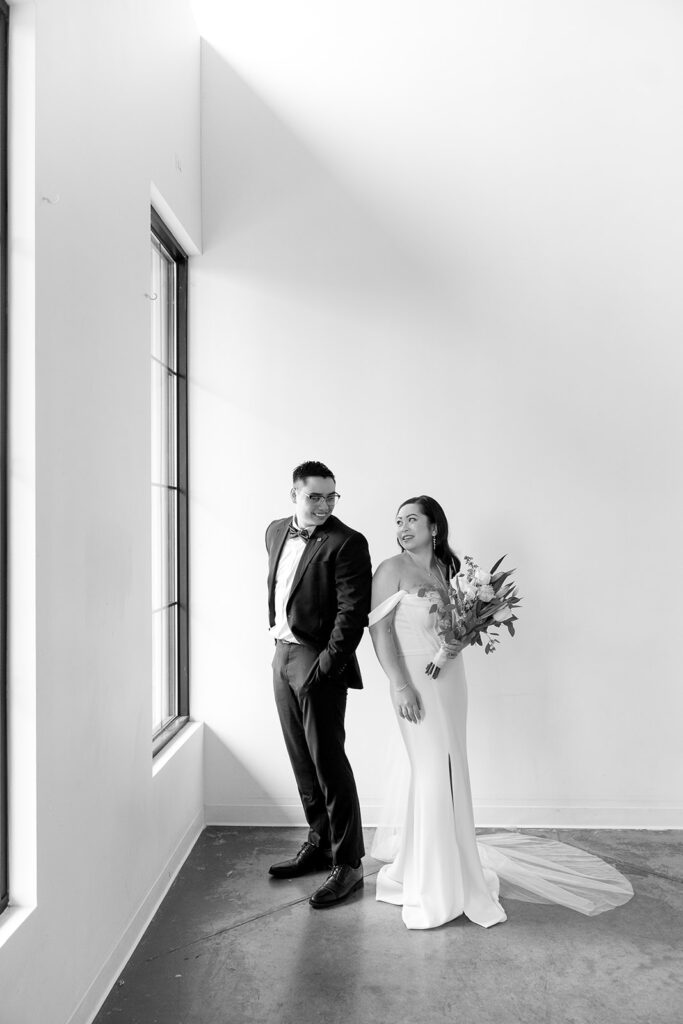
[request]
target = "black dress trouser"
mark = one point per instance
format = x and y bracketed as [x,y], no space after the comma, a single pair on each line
[312,723]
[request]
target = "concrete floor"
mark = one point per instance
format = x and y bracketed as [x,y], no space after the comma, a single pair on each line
[229,945]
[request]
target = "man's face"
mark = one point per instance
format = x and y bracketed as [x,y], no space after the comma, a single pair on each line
[314,499]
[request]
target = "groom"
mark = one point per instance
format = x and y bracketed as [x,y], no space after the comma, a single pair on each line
[319,580]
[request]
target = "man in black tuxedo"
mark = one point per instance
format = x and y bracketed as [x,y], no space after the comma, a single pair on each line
[319,582]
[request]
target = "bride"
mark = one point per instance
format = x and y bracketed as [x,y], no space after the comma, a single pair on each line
[439,869]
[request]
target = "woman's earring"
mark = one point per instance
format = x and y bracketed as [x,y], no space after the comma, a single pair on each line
[434,541]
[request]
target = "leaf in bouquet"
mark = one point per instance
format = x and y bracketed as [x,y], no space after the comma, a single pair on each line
[432,609]
[511,628]
[503,576]
[495,567]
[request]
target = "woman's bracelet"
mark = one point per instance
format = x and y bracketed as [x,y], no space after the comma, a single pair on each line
[399,689]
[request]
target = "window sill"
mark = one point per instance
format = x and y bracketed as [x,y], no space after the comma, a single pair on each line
[11,919]
[184,734]
[167,734]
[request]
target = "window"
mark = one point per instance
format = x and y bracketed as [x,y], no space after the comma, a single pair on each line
[4,39]
[168,297]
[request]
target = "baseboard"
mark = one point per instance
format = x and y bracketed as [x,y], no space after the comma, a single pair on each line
[116,961]
[594,814]
[584,815]
[287,812]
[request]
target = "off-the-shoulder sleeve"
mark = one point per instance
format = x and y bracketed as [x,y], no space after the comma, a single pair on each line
[386,606]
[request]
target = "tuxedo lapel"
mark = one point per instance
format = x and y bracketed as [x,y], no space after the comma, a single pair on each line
[313,546]
[278,544]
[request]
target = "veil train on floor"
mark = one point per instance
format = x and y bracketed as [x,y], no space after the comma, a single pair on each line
[527,867]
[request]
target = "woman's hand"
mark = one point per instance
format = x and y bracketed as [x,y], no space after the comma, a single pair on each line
[407,702]
[445,652]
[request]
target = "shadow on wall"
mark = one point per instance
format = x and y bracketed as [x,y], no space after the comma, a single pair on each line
[277,214]
[243,799]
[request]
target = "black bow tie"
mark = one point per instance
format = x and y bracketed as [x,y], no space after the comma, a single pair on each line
[293,532]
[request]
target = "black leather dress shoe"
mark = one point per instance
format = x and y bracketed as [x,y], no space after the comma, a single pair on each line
[309,858]
[342,881]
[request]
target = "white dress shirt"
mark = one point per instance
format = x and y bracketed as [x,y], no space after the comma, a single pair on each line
[284,577]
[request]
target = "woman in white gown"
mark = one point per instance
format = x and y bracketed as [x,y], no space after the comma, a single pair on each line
[439,870]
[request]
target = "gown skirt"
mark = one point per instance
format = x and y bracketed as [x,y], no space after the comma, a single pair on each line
[438,868]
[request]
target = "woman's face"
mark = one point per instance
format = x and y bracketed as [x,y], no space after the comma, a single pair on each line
[413,528]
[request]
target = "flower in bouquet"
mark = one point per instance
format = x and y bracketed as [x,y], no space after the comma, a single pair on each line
[475,605]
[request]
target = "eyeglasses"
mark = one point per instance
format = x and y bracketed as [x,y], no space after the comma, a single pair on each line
[329,499]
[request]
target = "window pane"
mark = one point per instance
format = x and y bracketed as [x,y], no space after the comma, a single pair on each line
[164,426]
[171,616]
[170,384]
[164,547]
[157,673]
[159,452]
[165,660]
[171,571]
[163,297]
[155,293]
[169,314]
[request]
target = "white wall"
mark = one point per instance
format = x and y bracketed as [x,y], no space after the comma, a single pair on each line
[443,254]
[116,109]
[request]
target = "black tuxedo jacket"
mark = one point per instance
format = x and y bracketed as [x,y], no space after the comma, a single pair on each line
[329,601]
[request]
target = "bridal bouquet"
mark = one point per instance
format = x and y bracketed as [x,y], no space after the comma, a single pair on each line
[478,604]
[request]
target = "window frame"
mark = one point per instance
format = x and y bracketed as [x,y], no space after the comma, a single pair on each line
[180,258]
[4,248]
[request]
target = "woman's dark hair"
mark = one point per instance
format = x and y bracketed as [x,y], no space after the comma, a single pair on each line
[307,469]
[437,517]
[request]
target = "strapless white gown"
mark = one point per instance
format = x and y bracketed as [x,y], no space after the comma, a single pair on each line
[439,869]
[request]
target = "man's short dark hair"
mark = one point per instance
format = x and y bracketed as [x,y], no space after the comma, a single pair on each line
[307,469]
